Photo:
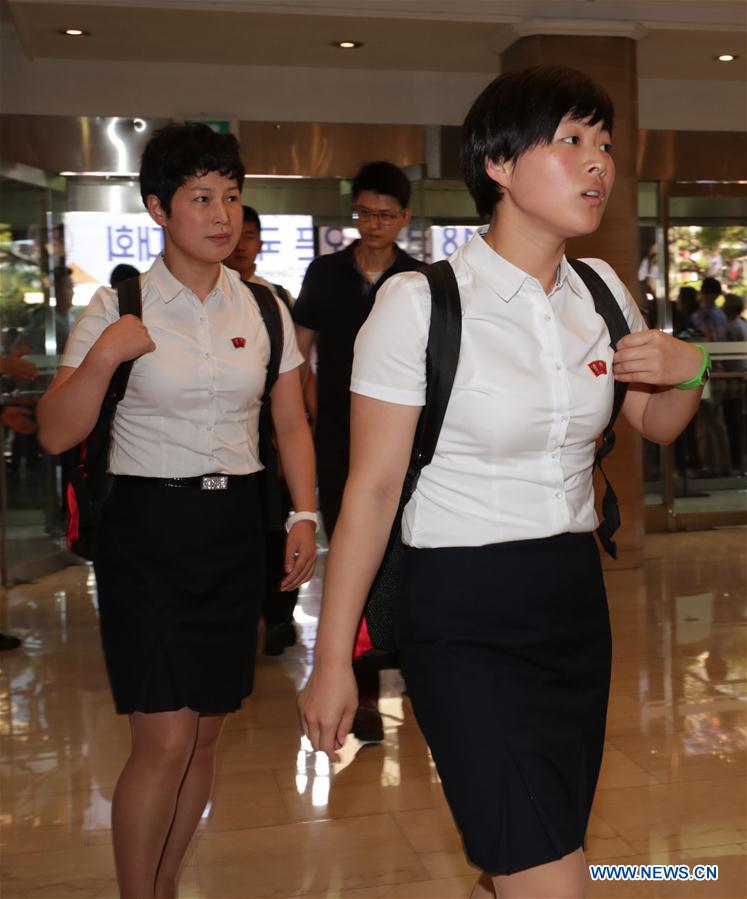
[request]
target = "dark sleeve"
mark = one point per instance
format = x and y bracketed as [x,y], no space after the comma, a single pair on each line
[309,308]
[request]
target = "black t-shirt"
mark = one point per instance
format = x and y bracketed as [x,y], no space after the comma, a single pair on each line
[335,300]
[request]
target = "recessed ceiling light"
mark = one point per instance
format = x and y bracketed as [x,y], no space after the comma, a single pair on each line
[726,57]
[347,45]
[74,32]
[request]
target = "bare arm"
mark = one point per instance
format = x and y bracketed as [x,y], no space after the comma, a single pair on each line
[381,441]
[306,338]
[16,367]
[653,363]
[68,410]
[297,458]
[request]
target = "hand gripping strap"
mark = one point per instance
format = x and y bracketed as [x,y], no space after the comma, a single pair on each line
[608,308]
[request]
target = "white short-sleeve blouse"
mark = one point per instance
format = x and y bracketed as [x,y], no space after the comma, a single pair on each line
[192,405]
[530,397]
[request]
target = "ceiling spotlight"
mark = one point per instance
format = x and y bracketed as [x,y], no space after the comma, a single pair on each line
[726,57]
[74,32]
[347,45]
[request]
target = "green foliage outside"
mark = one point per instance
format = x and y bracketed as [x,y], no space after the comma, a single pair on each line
[697,252]
[18,276]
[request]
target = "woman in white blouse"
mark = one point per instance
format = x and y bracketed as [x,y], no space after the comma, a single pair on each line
[179,556]
[502,626]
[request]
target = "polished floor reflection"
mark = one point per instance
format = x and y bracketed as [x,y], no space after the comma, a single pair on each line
[284,822]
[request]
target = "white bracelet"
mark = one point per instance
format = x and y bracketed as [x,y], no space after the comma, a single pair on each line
[301,516]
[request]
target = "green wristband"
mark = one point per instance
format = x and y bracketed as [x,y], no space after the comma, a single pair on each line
[704,373]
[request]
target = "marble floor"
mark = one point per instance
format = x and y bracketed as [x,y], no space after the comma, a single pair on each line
[284,822]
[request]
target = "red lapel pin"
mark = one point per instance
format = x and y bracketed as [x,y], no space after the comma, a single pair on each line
[238,342]
[599,367]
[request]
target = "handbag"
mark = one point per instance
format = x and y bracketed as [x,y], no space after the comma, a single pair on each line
[375,646]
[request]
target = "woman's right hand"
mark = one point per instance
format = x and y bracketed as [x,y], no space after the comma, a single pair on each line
[327,706]
[125,339]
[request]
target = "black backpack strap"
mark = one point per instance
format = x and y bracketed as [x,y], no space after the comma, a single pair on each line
[130,303]
[268,309]
[283,294]
[442,357]
[95,447]
[607,306]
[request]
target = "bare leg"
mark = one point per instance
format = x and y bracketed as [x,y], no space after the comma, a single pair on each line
[563,879]
[193,797]
[484,888]
[146,794]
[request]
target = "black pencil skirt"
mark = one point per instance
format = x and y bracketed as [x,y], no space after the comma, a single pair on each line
[180,579]
[506,655]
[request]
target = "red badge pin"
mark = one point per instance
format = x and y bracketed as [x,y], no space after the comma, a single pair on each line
[599,367]
[238,342]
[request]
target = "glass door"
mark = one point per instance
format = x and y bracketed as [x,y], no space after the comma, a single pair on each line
[35,316]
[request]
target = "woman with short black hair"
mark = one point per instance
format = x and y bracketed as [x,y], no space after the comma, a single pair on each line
[179,557]
[503,626]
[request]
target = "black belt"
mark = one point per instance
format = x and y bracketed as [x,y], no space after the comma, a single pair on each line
[200,482]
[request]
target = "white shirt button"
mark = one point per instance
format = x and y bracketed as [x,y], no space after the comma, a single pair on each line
[548,317]
[564,419]
[559,366]
[558,494]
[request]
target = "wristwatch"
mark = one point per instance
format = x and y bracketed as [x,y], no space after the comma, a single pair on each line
[703,375]
[301,516]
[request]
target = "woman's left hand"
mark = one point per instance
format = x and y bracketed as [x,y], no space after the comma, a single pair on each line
[300,555]
[653,357]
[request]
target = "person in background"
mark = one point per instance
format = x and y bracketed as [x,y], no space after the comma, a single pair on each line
[710,319]
[278,606]
[735,387]
[713,441]
[180,542]
[686,310]
[33,337]
[336,298]
[736,324]
[502,622]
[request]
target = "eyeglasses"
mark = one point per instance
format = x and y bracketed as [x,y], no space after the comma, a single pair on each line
[361,214]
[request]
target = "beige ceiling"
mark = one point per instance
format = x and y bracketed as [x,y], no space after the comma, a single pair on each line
[673,44]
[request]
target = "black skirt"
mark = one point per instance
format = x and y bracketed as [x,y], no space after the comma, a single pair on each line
[506,654]
[179,573]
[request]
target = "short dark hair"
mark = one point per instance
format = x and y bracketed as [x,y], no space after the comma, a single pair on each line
[688,300]
[178,152]
[518,111]
[382,178]
[251,215]
[733,305]
[711,287]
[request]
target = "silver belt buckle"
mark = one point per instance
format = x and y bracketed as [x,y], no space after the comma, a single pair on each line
[214,482]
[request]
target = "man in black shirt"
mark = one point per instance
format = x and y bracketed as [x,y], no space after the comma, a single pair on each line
[336,297]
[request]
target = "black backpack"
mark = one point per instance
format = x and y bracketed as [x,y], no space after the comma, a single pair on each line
[87,483]
[375,646]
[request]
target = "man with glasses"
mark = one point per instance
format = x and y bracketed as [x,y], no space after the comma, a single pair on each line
[336,297]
